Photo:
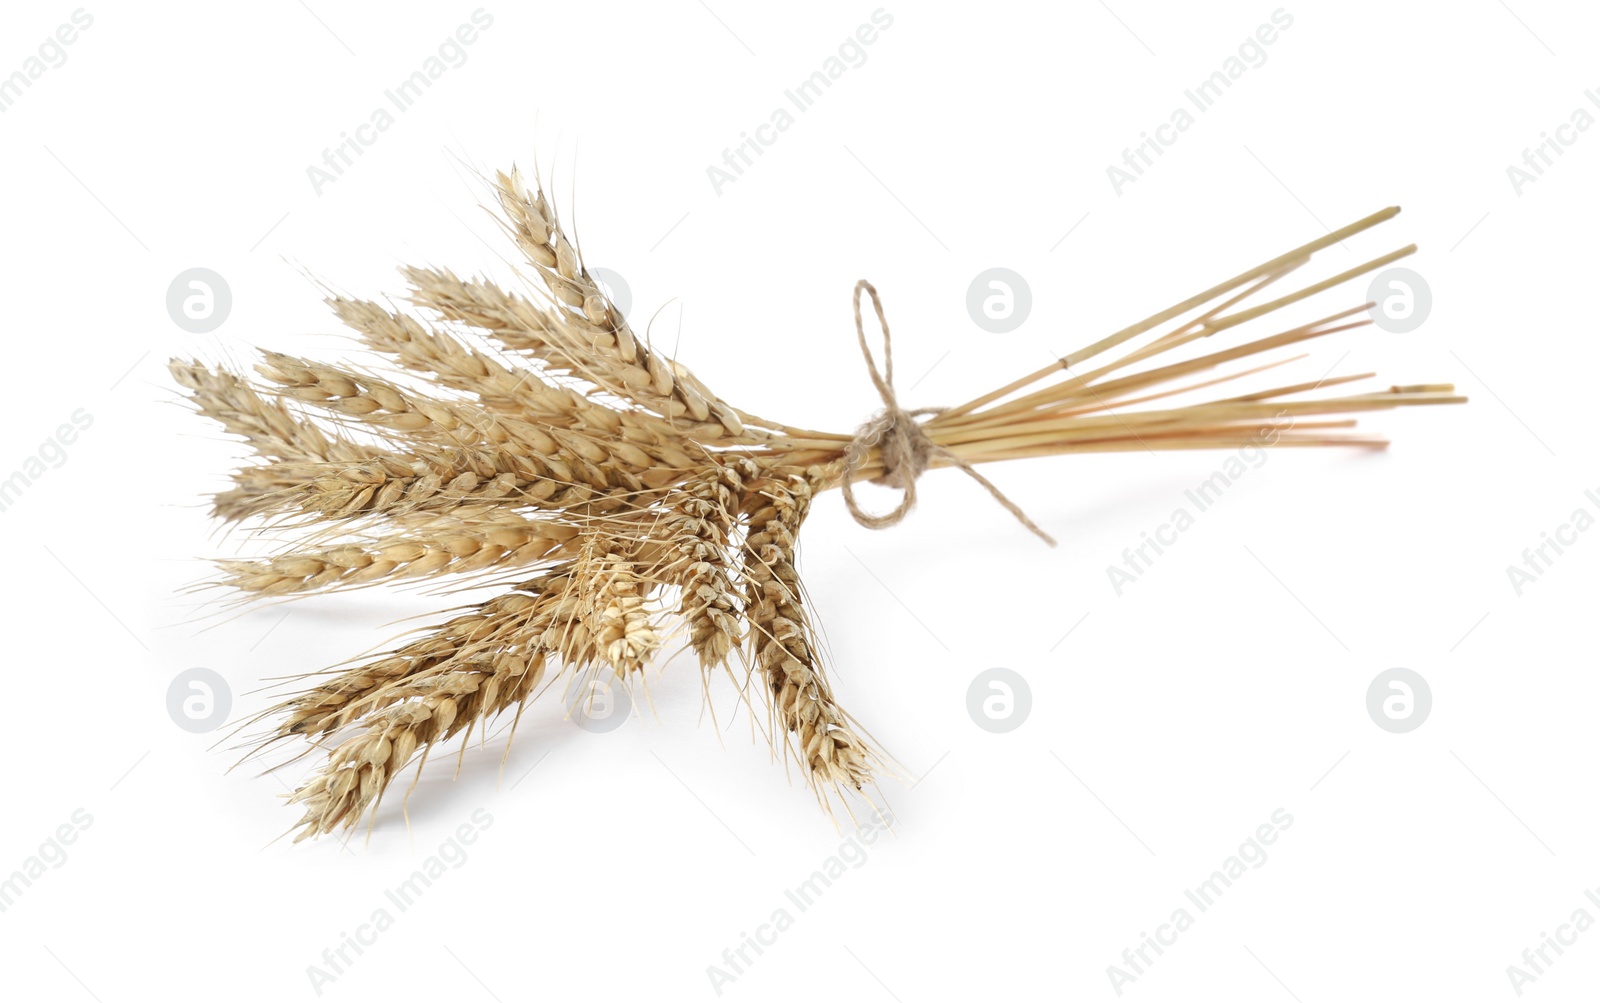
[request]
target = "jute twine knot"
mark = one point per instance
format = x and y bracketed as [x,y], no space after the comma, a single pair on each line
[903,445]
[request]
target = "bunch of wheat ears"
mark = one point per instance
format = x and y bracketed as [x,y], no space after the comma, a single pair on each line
[632,507]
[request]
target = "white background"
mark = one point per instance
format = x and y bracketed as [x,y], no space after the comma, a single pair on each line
[1228,682]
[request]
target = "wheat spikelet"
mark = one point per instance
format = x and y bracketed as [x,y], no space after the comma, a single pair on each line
[270,427]
[463,673]
[582,315]
[513,621]
[802,705]
[698,559]
[463,542]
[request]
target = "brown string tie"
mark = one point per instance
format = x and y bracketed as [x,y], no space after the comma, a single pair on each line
[903,445]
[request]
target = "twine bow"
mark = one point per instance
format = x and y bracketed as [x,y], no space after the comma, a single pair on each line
[903,445]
